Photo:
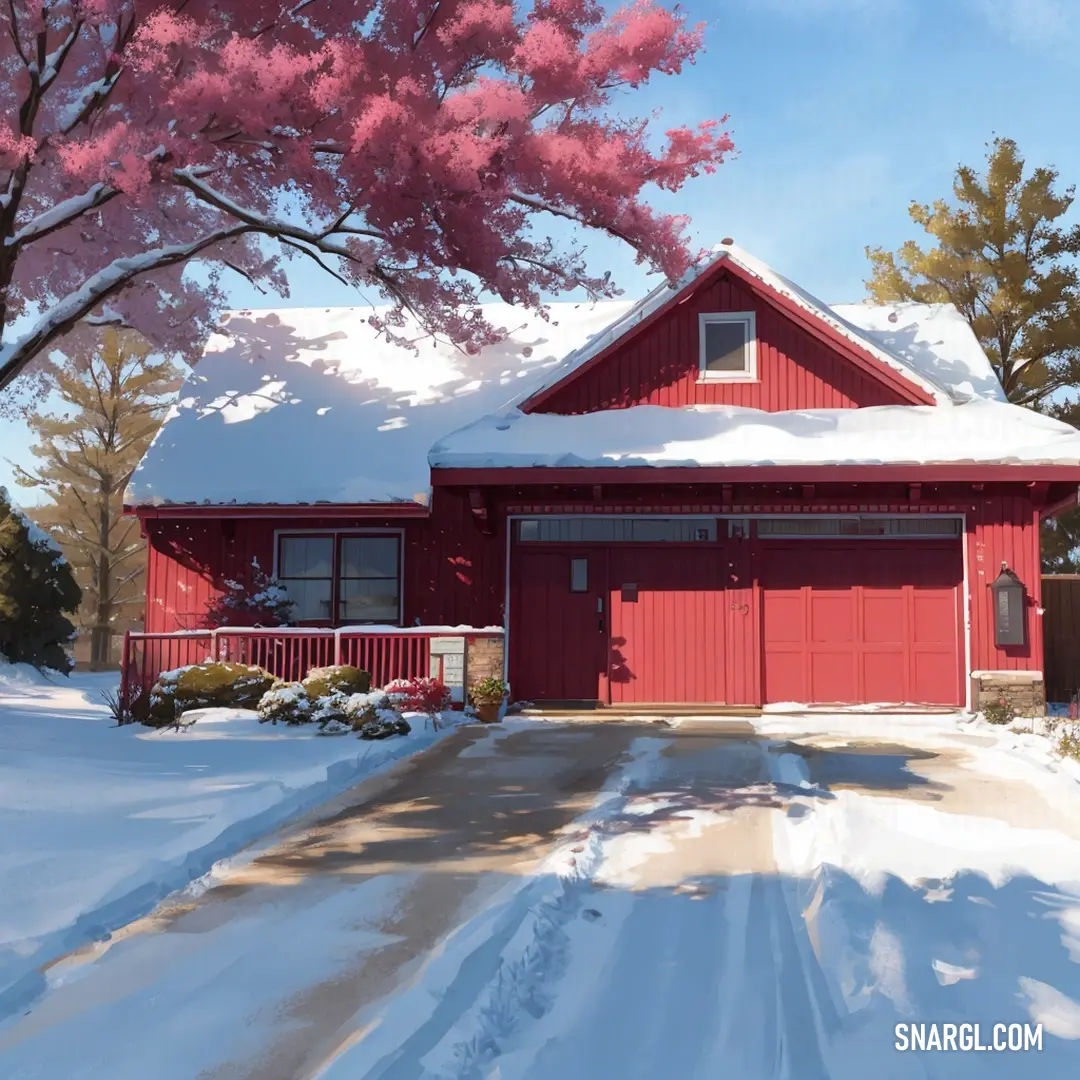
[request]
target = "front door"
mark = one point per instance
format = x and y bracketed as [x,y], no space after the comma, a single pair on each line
[559,625]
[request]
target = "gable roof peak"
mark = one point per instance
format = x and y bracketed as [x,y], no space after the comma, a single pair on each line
[746,265]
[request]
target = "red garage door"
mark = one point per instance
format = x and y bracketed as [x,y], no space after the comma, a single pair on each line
[863,621]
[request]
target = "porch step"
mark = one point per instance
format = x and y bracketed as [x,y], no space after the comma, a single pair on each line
[615,712]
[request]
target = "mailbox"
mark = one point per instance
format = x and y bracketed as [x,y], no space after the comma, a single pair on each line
[1008,592]
[448,664]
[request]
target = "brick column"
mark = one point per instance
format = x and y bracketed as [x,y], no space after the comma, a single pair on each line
[1025,691]
[483,658]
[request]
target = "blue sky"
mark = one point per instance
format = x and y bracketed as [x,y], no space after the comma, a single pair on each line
[844,111]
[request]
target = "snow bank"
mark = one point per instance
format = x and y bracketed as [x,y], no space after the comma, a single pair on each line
[98,823]
[982,432]
[276,383]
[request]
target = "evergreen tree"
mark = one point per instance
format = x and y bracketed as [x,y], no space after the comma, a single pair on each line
[37,588]
[1003,256]
[114,394]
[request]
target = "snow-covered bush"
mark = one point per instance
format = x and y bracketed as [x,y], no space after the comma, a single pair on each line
[383,729]
[212,684]
[341,678]
[376,715]
[263,601]
[286,703]
[329,709]
[37,592]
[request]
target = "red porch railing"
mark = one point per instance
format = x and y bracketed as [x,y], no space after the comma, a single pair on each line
[387,653]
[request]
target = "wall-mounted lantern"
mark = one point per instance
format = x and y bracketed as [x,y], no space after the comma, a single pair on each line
[1008,592]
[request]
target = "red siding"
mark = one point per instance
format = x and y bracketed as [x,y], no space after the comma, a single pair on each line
[1003,528]
[453,574]
[183,562]
[669,633]
[660,367]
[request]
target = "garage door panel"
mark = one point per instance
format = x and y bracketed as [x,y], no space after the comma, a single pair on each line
[832,676]
[935,674]
[832,617]
[933,617]
[884,675]
[883,617]
[784,679]
[879,621]
[784,618]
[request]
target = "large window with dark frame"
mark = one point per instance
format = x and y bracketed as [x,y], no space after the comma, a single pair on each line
[342,578]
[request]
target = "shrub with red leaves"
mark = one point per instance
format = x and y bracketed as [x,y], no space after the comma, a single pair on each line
[430,696]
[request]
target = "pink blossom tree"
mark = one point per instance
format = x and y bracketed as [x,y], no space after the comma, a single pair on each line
[415,148]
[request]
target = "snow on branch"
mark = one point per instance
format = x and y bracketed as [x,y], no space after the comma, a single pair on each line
[135,137]
[105,283]
[63,213]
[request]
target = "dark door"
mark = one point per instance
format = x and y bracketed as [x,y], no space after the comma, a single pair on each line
[559,625]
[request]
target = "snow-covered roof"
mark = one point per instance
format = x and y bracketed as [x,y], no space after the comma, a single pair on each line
[928,348]
[979,431]
[309,405]
[934,339]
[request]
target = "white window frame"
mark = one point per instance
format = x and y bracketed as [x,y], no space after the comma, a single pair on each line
[749,320]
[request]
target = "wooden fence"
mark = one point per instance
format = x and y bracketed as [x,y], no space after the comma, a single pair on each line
[387,653]
[1061,635]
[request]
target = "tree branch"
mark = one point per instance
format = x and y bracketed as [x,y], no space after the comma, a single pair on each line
[569,215]
[107,282]
[63,213]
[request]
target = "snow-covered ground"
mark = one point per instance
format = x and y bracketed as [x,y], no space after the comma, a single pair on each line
[568,902]
[773,907]
[99,823]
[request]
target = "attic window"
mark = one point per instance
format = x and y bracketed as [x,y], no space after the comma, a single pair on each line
[728,344]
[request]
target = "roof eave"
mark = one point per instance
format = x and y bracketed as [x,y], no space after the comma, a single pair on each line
[149,511]
[523,476]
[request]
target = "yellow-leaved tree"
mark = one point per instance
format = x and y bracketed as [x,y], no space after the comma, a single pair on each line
[1003,254]
[108,397]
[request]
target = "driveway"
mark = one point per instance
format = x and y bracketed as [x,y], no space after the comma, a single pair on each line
[720,903]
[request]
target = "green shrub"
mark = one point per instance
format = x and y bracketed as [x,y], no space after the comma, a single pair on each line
[999,712]
[1068,743]
[489,691]
[343,678]
[286,703]
[212,684]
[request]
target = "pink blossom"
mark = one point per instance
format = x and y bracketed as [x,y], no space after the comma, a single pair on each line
[460,136]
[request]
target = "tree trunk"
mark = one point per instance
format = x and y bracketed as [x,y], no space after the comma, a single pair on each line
[101,633]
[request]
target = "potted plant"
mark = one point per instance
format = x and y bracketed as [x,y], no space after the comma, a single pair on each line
[488,695]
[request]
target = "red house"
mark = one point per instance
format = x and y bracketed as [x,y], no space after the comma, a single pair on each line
[727,493]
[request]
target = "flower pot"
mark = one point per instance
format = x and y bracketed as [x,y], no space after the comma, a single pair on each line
[488,711]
